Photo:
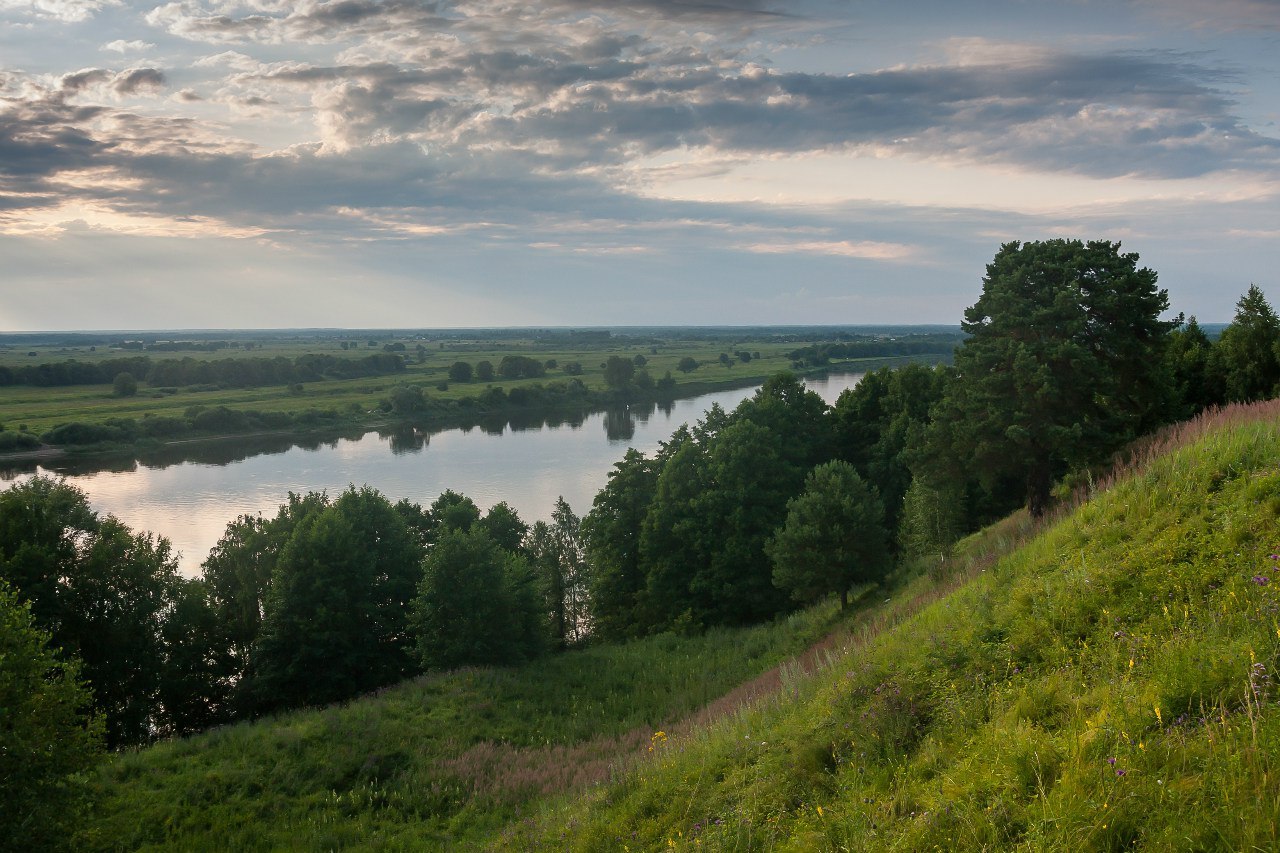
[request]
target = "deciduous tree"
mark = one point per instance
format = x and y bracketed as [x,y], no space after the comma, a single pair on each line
[833,536]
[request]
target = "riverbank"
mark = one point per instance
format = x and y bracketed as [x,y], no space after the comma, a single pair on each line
[495,407]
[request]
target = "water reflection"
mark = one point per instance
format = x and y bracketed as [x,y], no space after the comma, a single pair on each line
[188,492]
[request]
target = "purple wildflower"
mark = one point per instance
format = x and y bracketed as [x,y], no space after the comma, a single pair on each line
[1111,761]
[1261,580]
[1120,772]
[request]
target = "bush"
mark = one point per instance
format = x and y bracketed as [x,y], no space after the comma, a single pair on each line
[163,427]
[221,419]
[82,433]
[12,441]
[125,385]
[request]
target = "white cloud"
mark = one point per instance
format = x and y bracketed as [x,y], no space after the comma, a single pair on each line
[122,46]
[72,11]
[864,250]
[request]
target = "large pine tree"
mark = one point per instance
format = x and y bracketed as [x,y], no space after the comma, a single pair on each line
[1062,365]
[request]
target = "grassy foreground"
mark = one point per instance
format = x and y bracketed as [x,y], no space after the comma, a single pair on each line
[1110,685]
[441,759]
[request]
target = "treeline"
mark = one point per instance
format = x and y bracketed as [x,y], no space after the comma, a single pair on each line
[821,354]
[226,372]
[195,422]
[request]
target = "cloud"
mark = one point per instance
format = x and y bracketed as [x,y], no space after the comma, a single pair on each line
[866,250]
[1221,14]
[122,46]
[71,11]
[135,79]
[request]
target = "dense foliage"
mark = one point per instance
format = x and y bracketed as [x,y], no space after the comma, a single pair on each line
[48,738]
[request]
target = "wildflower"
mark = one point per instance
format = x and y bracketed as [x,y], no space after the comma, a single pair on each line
[1111,761]
[1261,580]
[1120,772]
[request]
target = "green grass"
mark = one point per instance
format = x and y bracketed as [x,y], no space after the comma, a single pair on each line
[1109,685]
[443,757]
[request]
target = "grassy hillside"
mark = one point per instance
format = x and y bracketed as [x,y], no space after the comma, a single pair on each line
[1102,681]
[440,759]
[1109,685]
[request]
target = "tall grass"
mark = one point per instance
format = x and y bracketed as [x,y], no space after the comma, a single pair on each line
[1107,685]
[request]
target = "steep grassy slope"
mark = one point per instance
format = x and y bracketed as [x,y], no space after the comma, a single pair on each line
[1110,685]
[442,759]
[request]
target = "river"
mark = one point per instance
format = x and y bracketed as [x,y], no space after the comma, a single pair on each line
[188,496]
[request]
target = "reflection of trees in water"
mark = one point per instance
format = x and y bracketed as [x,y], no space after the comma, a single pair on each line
[407,440]
[619,425]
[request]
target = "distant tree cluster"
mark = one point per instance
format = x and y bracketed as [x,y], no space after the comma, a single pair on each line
[226,372]
[818,355]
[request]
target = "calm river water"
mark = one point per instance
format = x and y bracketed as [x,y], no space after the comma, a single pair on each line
[190,496]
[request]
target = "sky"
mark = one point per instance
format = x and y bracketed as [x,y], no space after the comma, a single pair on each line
[461,163]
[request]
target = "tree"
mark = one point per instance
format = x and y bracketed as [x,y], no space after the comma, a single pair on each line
[484,371]
[451,511]
[618,372]
[101,591]
[198,676]
[688,364]
[1246,353]
[407,400]
[49,737]
[559,565]
[720,492]
[1197,375]
[933,518]
[611,535]
[1063,363]
[336,617]
[125,385]
[504,527]
[460,371]
[879,423]
[833,536]
[238,571]
[476,604]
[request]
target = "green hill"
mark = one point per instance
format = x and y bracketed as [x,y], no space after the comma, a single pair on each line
[1108,684]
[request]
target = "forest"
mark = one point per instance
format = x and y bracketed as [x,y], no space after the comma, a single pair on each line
[739,518]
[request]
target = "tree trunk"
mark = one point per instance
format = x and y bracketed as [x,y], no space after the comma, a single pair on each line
[1039,484]
[844,598]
